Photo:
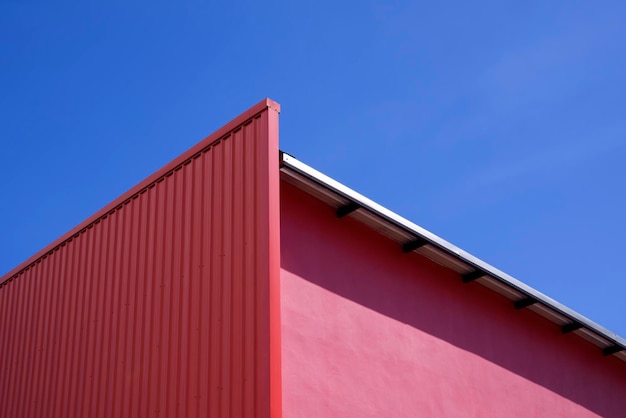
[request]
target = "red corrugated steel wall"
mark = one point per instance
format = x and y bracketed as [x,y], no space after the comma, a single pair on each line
[160,304]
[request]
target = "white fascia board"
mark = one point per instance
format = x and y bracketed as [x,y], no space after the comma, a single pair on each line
[292,163]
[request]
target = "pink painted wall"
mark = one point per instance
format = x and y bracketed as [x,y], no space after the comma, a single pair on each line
[368,331]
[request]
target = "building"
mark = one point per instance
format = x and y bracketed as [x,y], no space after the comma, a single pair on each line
[237,281]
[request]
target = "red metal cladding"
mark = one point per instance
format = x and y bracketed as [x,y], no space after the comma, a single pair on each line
[161,303]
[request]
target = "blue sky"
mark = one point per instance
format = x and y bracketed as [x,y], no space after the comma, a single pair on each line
[500,126]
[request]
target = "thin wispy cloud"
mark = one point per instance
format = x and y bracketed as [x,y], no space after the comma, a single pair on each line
[553,161]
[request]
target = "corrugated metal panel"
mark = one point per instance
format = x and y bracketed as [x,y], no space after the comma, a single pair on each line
[159,305]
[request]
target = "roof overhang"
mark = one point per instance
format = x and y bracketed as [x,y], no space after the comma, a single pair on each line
[413,238]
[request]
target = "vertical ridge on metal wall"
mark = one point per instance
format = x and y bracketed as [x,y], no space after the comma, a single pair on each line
[158,305]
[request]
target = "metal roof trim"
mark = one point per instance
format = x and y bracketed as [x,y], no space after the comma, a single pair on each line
[149,181]
[291,163]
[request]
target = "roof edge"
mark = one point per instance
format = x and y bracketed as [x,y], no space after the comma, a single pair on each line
[392,217]
[219,134]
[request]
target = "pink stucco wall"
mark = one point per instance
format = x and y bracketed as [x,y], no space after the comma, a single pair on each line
[368,331]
